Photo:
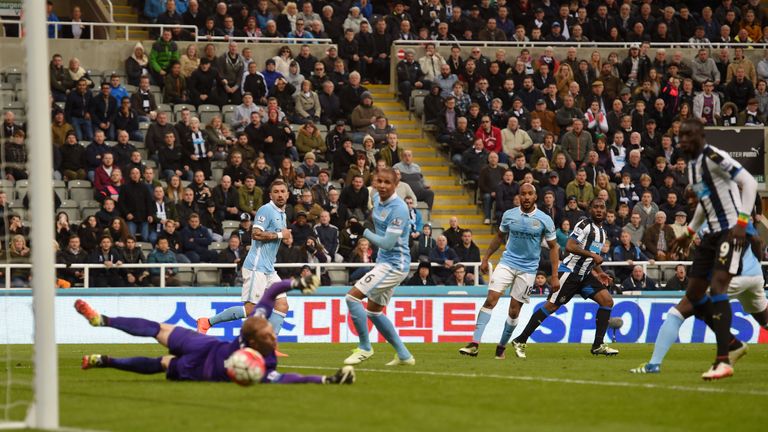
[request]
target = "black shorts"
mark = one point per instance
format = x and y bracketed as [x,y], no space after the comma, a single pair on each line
[716,253]
[571,284]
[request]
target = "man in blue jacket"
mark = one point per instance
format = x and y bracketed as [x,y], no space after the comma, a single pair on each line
[195,239]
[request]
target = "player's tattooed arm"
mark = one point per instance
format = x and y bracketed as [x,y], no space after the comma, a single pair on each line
[266,236]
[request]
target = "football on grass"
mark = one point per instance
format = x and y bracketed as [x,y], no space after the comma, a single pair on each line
[245,366]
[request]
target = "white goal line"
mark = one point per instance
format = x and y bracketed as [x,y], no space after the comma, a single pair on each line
[625,384]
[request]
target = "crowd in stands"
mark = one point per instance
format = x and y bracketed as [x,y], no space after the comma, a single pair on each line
[578,126]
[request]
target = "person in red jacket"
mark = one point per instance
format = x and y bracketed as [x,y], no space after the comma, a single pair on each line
[491,136]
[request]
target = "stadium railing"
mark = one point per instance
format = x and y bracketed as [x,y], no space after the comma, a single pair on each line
[317,268]
[58,25]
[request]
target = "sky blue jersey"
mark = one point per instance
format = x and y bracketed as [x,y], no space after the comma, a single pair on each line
[262,255]
[525,231]
[392,216]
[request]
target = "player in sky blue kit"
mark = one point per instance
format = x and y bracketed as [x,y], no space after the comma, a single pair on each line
[726,193]
[197,357]
[579,273]
[747,288]
[524,227]
[391,220]
[269,229]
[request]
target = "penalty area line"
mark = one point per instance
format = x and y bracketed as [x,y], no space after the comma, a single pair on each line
[625,384]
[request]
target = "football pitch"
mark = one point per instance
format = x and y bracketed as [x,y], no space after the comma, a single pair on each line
[558,387]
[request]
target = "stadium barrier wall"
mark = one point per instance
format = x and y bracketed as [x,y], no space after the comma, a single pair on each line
[94,55]
[325,319]
[754,51]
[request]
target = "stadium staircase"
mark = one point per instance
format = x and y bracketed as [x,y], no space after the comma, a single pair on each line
[451,198]
[124,13]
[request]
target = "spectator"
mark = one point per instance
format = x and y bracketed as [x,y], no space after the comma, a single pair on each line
[73,159]
[635,228]
[72,255]
[111,258]
[459,276]
[506,194]
[540,284]
[488,181]
[355,198]
[410,75]
[625,250]
[680,281]
[234,253]
[411,174]
[136,204]
[364,115]
[103,111]
[132,254]
[78,108]
[422,276]
[646,208]
[250,197]
[164,52]
[467,251]
[581,189]
[577,142]
[301,229]
[515,141]
[706,105]
[444,256]
[362,253]
[172,159]
[657,239]
[163,254]
[454,232]
[473,159]
[307,206]
[491,136]
[195,240]
[638,281]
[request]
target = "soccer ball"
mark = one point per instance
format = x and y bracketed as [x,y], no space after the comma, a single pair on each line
[245,366]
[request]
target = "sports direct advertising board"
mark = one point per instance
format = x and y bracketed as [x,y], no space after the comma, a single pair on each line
[326,320]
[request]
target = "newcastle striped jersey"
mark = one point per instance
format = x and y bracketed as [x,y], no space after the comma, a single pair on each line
[711,175]
[590,237]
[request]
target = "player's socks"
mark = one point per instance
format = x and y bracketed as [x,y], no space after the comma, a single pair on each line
[133,326]
[276,319]
[229,314]
[360,320]
[667,335]
[721,323]
[538,317]
[601,325]
[509,328]
[482,320]
[142,365]
[385,327]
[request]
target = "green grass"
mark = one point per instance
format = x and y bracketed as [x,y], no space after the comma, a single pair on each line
[558,388]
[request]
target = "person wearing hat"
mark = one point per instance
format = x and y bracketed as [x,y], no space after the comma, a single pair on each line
[634,67]
[422,276]
[310,168]
[308,206]
[363,116]
[301,229]
[572,212]
[751,115]
[205,84]
[409,76]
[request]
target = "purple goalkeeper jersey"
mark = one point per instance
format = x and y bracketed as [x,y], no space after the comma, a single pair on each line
[201,357]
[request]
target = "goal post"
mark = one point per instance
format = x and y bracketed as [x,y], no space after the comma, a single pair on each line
[44,413]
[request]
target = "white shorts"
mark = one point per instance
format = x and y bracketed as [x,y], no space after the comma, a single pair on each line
[255,283]
[750,292]
[379,284]
[520,283]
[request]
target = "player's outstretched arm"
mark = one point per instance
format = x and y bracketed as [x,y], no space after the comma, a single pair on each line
[307,285]
[386,241]
[345,375]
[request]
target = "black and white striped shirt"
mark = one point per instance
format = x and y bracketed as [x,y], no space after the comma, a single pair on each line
[712,175]
[590,237]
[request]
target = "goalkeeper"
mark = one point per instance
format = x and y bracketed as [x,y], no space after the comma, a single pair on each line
[197,357]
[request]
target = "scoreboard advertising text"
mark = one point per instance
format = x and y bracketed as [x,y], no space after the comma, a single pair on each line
[323,319]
